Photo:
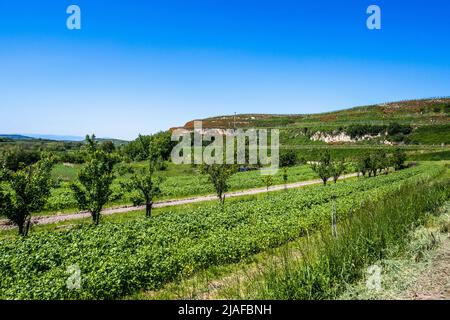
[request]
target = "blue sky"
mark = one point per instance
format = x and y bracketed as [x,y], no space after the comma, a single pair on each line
[139,67]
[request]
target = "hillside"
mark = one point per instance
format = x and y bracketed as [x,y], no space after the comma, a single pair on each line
[11,137]
[416,122]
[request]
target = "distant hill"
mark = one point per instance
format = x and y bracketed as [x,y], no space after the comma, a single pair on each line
[15,137]
[49,137]
[115,141]
[425,121]
[417,112]
[56,137]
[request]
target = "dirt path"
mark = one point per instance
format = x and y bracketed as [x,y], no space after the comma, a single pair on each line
[5,224]
[434,282]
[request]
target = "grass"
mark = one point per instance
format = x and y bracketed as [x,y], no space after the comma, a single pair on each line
[117,259]
[432,134]
[401,274]
[180,181]
[329,265]
[139,215]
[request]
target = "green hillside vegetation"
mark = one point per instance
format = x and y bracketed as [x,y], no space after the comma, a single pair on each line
[416,122]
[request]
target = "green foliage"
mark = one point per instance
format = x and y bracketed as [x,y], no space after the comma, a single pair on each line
[160,145]
[118,259]
[93,189]
[144,182]
[288,158]
[431,135]
[107,146]
[447,108]
[376,161]
[219,174]
[337,169]
[16,158]
[323,166]
[268,181]
[25,191]
[398,159]
[359,130]
[177,182]
[430,156]
[393,129]
[329,265]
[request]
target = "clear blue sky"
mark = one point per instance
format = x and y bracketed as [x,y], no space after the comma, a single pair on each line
[142,66]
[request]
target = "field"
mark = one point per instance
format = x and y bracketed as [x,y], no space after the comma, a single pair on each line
[118,259]
[179,181]
[278,244]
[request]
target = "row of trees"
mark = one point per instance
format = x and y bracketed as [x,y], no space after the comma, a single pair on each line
[377,162]
[93,188]
[325,168]
[25,190]
[369,164]
[15,157]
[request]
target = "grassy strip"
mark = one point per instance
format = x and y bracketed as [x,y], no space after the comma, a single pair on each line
[421,272]
[328,265]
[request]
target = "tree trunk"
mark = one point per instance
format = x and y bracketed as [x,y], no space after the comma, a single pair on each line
[148,208]
[96,217]
[27,226]
[24,225]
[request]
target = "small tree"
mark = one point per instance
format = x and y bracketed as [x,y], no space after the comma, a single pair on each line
[336,169]
[285,178]
[93,188]
[322,167]
[143,182]
[363,164]
[288,158]
[108,146]
[375,163]
[148,187]
[219,175]
[399,158]
[268,181]
[25,191]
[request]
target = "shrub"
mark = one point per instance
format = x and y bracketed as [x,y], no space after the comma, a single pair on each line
[288,158]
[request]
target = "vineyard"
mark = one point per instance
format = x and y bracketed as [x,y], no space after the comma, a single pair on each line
[118,259]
